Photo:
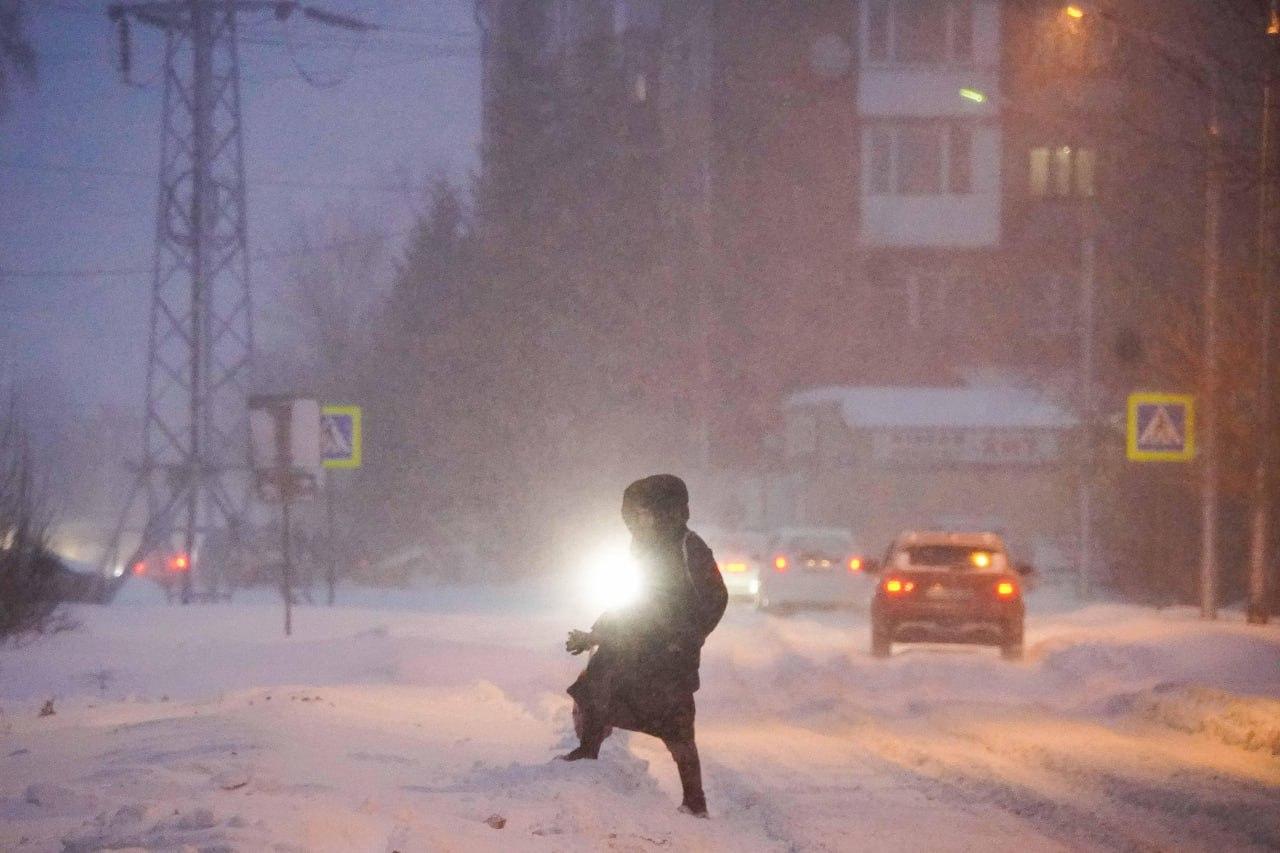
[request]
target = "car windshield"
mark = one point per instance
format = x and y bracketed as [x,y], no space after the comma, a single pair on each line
[951,556]
[828,545]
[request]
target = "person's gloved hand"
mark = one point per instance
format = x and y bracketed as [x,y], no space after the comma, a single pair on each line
[579,642]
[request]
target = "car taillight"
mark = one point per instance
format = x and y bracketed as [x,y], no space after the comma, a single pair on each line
[140,568]
[179,563]
[735,568]
[780,563]
[896,586]
[855,564]
[1006,589]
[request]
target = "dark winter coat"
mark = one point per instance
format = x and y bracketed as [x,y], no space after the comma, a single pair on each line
[645,671]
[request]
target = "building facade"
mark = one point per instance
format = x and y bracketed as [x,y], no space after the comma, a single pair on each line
[901,193]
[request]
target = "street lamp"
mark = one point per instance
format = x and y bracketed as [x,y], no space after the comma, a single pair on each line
[1207,419]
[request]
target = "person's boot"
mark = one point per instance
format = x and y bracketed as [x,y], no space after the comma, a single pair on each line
[690,768]
[590,735]
[580,752]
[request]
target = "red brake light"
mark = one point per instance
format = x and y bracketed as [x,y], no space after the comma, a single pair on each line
[179,563]
[780,563]
[140,567]
[1005,589]
[855,564]
[896,586]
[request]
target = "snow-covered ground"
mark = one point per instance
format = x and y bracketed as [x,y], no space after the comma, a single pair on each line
[427,720]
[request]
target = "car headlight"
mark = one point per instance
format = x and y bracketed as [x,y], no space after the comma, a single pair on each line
[612,579]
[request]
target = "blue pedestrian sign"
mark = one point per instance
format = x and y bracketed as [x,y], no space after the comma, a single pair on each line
[341,436]
[1161,427]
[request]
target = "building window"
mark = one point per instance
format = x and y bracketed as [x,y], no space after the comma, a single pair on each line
[878,162]
[1052,311]
[1062,171]
[636,16]
[915,298]
[960,160]
[918,158]
[930,32]
[801,432]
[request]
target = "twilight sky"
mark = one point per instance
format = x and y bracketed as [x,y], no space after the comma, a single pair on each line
[79,154]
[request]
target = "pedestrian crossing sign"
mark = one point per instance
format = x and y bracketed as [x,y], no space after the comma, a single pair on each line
[1161,427]
[341,436]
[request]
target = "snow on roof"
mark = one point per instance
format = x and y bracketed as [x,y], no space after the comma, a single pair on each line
[965,406]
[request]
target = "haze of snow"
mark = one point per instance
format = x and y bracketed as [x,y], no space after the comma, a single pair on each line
[427,720]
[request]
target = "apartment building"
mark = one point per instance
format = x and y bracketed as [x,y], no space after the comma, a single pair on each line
[881,194]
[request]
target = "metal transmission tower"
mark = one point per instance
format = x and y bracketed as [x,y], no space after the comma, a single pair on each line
[194,471]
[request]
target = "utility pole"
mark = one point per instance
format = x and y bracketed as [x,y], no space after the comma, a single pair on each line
[1257,612]
[194,471]
[1209,416]
[1088,288]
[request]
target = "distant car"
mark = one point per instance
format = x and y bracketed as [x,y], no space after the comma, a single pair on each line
[168,568]
[740,555]
[948,587]
[813,567]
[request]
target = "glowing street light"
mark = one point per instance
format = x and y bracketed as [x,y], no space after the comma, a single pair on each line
[1074,12]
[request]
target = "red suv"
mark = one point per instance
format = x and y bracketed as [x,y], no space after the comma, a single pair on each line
[942,587]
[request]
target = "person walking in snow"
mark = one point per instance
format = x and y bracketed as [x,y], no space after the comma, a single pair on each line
[644,671]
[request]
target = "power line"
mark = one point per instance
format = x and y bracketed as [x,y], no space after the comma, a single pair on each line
[393,29]
[266,79]
[287,183]
[274,255]
[423,48]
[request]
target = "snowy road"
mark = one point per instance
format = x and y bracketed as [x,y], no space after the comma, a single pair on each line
[407,724]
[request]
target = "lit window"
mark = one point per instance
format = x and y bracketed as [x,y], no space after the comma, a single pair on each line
[1062,171]
[919,31]
[1038,175]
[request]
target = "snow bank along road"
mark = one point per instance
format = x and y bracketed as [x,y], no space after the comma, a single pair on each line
[428,724]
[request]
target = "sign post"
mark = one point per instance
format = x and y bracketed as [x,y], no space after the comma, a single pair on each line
[284,433]
[1162,428]
[341,446]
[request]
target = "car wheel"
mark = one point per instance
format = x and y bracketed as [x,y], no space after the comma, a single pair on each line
[881,645]
[1011,648]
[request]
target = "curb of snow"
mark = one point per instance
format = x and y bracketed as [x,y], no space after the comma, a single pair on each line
[1249,722]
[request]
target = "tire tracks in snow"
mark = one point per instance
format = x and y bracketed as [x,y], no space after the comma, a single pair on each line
[960,785]
[1072,800]
[1199,796]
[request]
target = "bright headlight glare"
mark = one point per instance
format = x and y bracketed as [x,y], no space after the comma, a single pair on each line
[612,579]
